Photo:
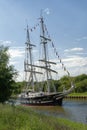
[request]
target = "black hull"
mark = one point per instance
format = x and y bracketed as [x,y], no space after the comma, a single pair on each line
[51,102]
[46,99]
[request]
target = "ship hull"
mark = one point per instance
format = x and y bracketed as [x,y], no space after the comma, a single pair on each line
[45,103]
[43,100]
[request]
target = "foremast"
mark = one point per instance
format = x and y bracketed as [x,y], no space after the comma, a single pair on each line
[29,67]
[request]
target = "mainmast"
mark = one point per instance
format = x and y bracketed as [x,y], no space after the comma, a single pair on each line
[44,41]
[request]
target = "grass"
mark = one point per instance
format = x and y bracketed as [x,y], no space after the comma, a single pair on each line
[24,118]
[78,94]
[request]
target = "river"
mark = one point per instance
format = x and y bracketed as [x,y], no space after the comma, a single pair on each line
[75,110]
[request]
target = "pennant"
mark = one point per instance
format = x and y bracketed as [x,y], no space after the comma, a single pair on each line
[62,65]
[58,56]
[64,69]
[68,73]
[45,28]
[52,45]
[55,50]
[47,32]
[34,27]
[49,36]
[60,60]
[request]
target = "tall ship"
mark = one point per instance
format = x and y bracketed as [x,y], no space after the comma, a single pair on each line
[39,92]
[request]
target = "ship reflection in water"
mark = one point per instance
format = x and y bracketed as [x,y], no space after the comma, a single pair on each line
[75,110]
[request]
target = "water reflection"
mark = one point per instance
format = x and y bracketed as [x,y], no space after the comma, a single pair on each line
[75,110]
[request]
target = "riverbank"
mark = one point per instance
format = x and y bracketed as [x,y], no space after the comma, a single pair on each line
[24,118]
[77,96]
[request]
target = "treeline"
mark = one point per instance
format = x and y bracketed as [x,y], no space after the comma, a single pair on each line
[80,83]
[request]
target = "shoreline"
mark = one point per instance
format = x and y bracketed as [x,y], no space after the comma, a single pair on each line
[75,97]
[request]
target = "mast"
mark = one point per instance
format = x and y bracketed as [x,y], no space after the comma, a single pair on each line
[28,63]
[47,63]
[28,59]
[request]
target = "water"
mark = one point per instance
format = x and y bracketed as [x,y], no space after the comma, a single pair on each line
[75,110]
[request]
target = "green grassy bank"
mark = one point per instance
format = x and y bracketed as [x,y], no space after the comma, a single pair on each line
[78,94]
[24,118]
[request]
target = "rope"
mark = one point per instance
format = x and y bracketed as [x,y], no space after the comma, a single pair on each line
[55,51]
[34,28]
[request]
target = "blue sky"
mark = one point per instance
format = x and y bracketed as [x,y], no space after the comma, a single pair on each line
[66,21]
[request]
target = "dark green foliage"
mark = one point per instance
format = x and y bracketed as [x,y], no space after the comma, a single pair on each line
[81,86]
[57,84]
[19,86]
[81,83]
[64,83]
[7,74]
[80,77]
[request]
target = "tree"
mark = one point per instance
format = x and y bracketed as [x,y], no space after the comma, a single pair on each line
[65,82]
[80,77]
[7,74]
[81,86]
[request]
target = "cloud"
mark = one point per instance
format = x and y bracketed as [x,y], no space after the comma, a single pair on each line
[47,11]
[6,43]
[73,50]
[75,61]
[14,53]
[20,76]
[16,57]
[74,64]
[13,62]
[80,39]
[84,38]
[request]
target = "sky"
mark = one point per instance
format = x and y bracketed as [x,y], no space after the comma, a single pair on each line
[66,21]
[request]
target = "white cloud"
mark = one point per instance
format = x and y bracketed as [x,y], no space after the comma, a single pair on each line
[73,49]
[77,49]
[13,62]
[81,53]
[20,76]
[75,61]
[14,53]
[5,43]
[74,64]
[47,11]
